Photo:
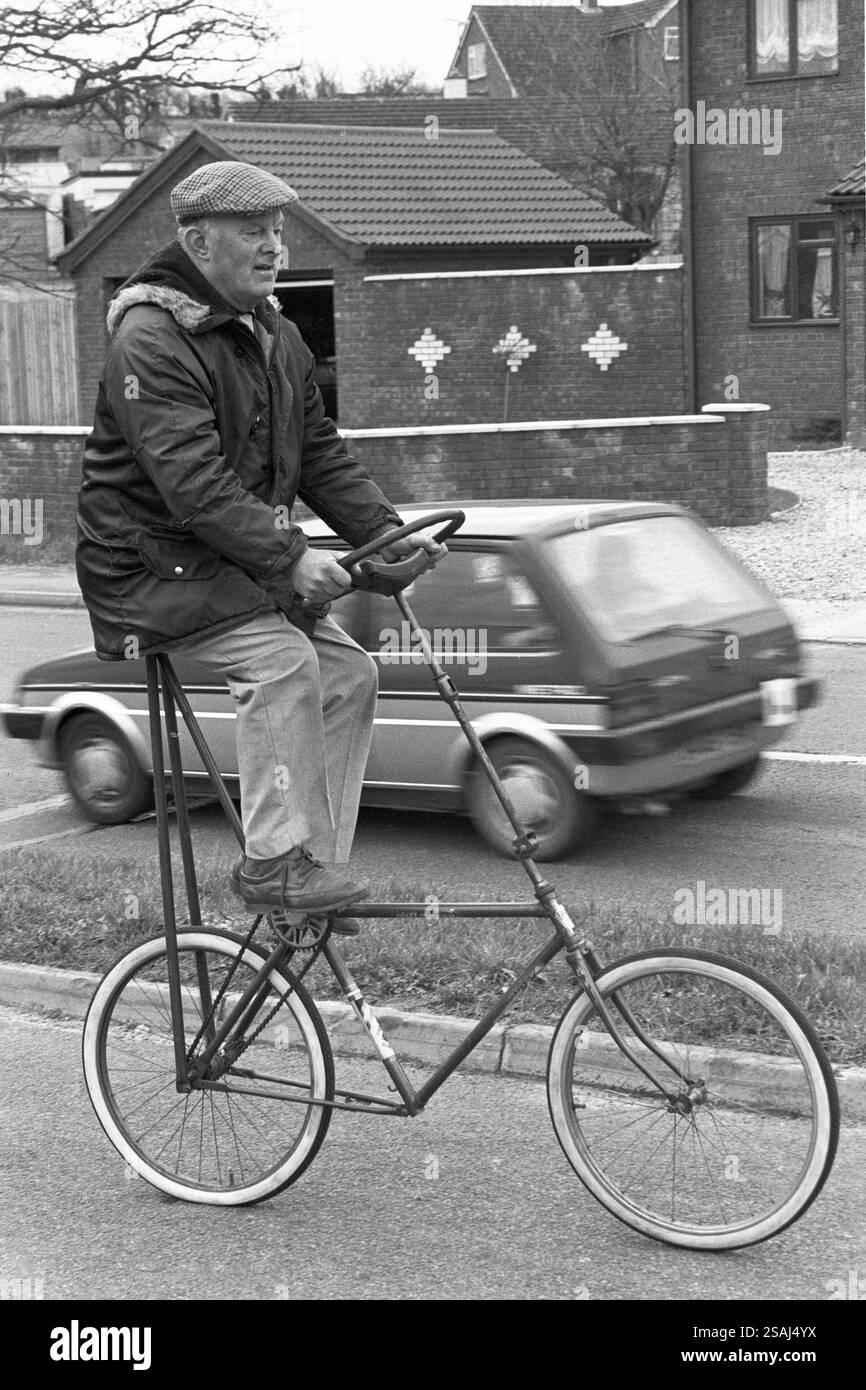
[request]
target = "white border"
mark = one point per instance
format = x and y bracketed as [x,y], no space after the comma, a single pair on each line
[511,427]
[542,270]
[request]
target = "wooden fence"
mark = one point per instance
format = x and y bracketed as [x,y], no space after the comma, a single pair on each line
[38,359]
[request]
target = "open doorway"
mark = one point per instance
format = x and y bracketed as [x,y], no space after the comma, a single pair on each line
[309,302]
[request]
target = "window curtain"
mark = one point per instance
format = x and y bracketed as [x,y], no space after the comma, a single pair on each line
[773,254]
[822,286]
[771,34]
[817,29]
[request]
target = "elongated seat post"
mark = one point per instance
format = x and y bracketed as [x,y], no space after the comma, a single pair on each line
[160,797]
[179,792]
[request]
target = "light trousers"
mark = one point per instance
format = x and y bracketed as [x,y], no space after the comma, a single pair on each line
[304,721]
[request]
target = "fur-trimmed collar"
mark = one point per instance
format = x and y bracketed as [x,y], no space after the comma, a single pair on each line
[170,280]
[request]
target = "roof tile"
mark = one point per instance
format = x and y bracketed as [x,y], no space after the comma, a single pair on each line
[392,186]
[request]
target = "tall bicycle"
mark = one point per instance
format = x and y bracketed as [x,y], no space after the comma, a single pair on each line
[211,1071]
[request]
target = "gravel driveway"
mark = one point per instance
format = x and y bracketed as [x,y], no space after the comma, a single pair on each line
[816,548]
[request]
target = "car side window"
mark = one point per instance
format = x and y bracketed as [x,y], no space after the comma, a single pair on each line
[476,592]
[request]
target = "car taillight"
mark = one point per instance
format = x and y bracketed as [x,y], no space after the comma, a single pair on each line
[631,704]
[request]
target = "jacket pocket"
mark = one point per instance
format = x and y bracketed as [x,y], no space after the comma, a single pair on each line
[184,558]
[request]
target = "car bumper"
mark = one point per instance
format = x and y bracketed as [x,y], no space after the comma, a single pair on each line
[21,722]
[667,754]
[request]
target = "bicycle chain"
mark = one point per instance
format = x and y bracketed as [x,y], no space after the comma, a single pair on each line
[314,946]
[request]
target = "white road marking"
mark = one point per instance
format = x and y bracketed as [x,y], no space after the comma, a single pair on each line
[33,808]
[41,839]
[845,759]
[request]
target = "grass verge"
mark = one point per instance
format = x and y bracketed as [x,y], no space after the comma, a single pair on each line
[57,910]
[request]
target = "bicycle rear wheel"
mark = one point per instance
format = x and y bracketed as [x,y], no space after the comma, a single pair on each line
[749,1139]
[250,1125]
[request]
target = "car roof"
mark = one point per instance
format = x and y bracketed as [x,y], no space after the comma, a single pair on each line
[508,518]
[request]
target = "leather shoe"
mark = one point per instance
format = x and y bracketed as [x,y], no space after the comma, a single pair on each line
[295,882]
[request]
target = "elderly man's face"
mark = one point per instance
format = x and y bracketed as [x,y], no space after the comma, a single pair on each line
[243,256]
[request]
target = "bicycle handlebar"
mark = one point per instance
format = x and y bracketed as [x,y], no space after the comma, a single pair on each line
[380,576]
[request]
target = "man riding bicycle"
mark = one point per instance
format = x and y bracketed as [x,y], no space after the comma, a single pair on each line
[208,425]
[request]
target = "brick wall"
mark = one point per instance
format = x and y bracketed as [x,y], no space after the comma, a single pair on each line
[798,370]
[854,291]
[369,343]
[376,321]
[44,464]
[715,463]
[557,312]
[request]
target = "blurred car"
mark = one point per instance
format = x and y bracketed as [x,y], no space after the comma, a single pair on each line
[606,652]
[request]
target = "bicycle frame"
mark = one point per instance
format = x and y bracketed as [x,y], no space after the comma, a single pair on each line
[579,952]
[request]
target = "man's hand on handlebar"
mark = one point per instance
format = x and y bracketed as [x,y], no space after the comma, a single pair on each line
[409,544]
[318,577]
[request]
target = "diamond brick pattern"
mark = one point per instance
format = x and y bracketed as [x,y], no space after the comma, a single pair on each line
[604,347]
[514,348]
[428,350]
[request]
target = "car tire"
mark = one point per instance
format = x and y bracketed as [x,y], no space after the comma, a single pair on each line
[104,776]
[728,782]
[562,818]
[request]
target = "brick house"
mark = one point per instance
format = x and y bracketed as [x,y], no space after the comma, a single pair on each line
[774,91]
[524,50]
[401,237]
[617,70]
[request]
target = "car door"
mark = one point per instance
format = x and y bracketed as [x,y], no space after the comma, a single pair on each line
[485,625]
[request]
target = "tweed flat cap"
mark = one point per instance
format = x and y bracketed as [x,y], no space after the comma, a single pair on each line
[228,186]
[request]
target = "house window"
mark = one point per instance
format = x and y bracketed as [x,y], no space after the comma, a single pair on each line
[794,270]
[794,38]
[477,59]
[624,61]
[672,43]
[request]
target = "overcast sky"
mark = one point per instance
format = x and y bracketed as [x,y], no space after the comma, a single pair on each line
[343,35]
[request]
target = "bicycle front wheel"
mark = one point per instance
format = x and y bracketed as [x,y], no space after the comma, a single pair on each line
[739,1137]
[250,1124]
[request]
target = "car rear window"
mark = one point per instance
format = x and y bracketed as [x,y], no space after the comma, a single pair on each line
[633,577]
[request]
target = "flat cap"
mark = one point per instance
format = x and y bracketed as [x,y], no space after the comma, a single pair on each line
[228,186]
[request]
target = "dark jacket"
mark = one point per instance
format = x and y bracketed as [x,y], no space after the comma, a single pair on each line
[199,447]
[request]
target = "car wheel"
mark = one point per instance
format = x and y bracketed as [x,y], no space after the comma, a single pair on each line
[562,818]
[729,782]
[102,772]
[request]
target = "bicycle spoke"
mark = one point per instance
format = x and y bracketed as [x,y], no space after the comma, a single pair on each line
[728,1159]
[210,1141]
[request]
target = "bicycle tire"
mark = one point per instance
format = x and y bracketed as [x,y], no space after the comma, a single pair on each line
[129,1069]
[771,1111]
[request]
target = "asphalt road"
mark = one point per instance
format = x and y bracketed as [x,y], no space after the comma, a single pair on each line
[799,832]
[504,1217]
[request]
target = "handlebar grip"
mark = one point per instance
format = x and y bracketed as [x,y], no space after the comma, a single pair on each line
[382,578]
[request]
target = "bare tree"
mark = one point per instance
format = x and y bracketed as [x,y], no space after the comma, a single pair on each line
[120,68]
[317,84]
[613,99]
[393,82]
[626,154]
[108,59]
